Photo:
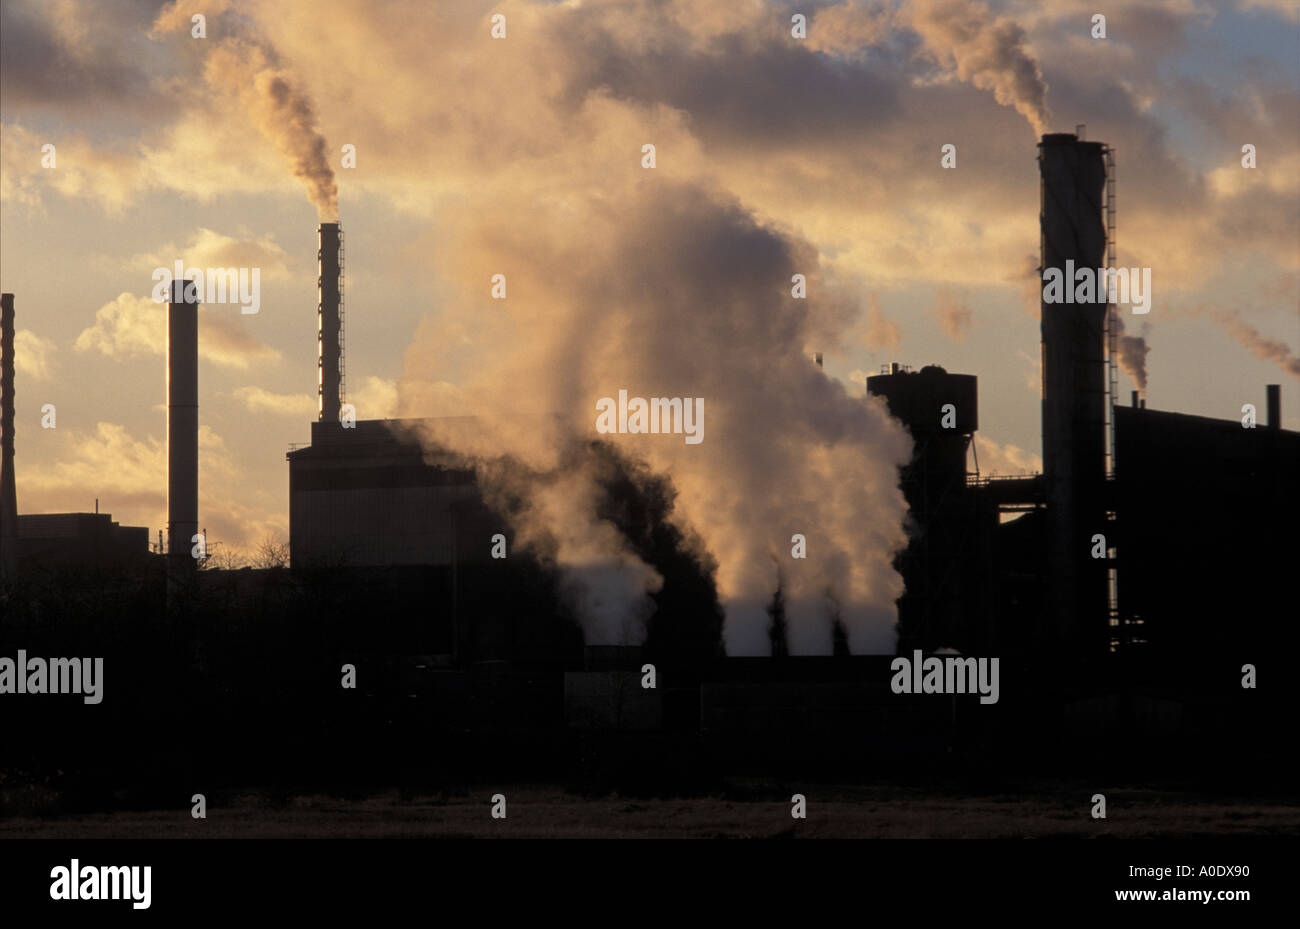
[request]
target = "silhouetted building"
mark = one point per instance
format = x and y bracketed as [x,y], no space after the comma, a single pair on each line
[368,496]
[8,488]
[1207,516]
[943,600]
[48,540]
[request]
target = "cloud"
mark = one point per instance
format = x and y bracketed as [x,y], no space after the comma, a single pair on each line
[881,333]
[33,355]
[953,314]
[260,400]
[124,473]
[1259,345]
[129,477]
[376,398]
[1005,460]
[209,249]
[1034,372]
[131,326]
[55,53]
[107,173]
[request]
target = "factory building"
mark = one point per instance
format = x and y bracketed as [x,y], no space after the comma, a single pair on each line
[366,496]
[1148,533]
[362,494]
[1080,561]
[49,540]
[1206,512]
[943,603]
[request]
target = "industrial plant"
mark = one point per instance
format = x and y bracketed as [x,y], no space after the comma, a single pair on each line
[1123,588]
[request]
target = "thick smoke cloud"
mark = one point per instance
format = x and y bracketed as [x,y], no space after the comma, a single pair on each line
[680,293]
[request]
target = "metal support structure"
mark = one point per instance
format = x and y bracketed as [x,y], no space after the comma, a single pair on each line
[1112,320]
[343,368]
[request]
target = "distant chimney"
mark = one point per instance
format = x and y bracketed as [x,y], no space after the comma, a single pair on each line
[182,418]
[1135,399]
[1274,392]
[329,334]
[817,358]
[8,489]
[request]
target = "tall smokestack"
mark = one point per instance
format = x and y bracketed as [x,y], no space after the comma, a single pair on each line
[182,419]
[8,489]
[1274,394]
[1074,391]
[329,332]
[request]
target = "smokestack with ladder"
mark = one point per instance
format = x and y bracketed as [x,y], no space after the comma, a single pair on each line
[329,332]
[1073,236]
[8,489]
[182,420]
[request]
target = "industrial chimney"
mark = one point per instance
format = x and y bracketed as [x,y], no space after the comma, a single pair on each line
[182,419]
[1273,394]
[329,333]
[8,489]
[1074,391]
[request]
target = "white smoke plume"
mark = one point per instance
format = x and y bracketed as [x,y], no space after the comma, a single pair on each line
[679,293]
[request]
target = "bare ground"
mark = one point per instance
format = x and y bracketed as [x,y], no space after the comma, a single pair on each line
[747,812]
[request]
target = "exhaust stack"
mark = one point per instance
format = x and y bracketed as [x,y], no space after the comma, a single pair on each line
[8,489]
[182,419]
[329,333]
[1073,230]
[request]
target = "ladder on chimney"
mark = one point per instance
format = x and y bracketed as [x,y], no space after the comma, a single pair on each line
[1115,623]
[343,379]
[1112,312]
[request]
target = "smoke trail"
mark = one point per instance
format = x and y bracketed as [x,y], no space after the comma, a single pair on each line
[282,112]
[1260,345]
[988,52]
[1133,351]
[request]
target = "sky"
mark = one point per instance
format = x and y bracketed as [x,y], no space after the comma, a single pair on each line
[523,155]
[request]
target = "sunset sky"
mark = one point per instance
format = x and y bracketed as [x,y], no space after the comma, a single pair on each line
[523,155]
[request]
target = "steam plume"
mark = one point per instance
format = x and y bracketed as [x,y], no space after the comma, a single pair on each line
[1133,351]
[986,51]
[679,293]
